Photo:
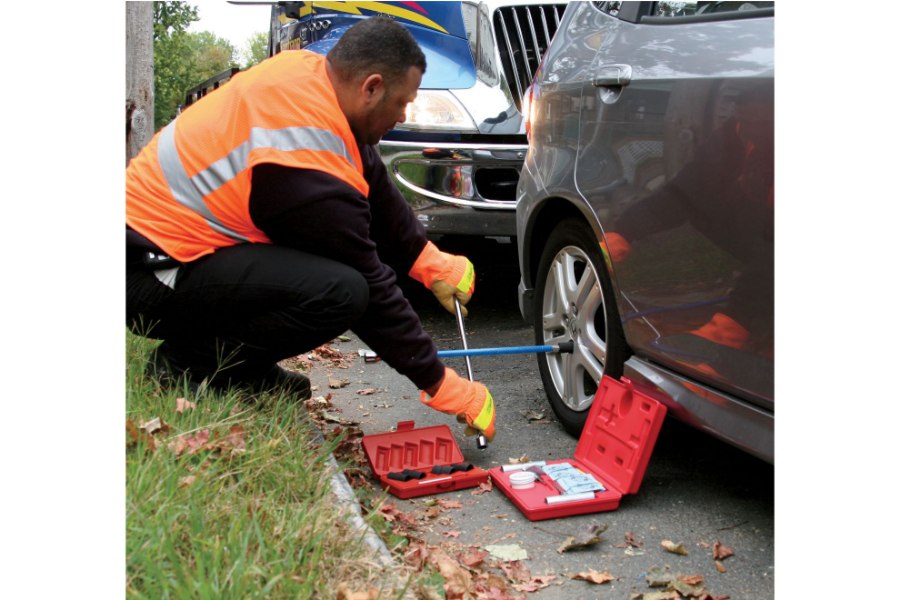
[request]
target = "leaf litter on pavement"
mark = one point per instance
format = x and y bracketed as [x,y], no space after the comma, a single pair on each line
[677,586]
[467,571]
[584,539]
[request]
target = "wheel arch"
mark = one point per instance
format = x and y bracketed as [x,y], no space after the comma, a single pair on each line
[543,220]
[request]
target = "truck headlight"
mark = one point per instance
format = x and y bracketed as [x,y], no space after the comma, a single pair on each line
[528,108]
[437,109]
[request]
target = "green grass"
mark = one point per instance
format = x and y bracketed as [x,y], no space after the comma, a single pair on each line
[226,521]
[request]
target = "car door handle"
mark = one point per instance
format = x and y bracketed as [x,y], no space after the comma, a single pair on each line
[610,75]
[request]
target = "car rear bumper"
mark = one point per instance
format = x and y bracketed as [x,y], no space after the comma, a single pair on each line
[458,188]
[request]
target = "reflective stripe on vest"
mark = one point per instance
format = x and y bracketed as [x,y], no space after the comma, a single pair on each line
[190,191]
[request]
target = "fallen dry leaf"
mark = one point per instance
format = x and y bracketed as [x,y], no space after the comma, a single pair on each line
[153,425]
[691,579]
[181,405]
[233,443]
[319,402]
[584,539]
[472,557]
[449,503]
[518,461]
[536,583]
[337,384]
[457,580]
[593,576]
[178,445]
[366,391]
[630,541]
[451,534]
[186,481]
[483,487]
[659,576]
[489,586]
[690,590]
[417,554]
[328,351]
[507,551]
[534,415]
[515,570]
[344,593]
[135,435]
[667,595]
[426,592]
[189,443]
[674,548]
[389,512]
[721,552]
[720,567]
[235,438]
[196,442]
[333,417]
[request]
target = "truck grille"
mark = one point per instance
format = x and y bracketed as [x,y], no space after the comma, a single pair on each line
[523,34]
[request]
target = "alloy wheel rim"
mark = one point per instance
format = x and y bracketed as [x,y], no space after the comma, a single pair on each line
[572,305]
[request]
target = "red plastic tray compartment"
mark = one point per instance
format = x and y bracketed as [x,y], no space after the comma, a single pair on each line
[615,447]
[419,450]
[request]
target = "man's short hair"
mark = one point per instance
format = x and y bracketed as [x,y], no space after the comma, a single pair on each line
[376,45]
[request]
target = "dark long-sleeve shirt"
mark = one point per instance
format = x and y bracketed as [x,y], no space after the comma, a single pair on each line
[316,212]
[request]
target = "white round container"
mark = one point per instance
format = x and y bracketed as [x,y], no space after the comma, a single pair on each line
[522,480]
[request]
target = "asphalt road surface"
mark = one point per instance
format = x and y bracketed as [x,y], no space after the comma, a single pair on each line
[696,492]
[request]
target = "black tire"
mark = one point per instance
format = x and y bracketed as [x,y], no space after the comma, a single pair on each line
[582,311]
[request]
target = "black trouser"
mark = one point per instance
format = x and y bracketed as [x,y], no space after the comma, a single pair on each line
[254,304]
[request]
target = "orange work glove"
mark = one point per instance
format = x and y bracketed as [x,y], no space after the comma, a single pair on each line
[464,398]
[615,246]
[446,275]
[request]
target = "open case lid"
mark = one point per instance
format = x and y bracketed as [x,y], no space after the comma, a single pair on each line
[620,432]
[411,448]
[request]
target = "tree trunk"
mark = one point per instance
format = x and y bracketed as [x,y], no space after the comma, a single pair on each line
[138,76]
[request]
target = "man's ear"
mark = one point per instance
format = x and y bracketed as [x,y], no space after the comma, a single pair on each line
[372,88]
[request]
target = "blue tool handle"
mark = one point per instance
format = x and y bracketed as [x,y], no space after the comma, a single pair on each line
[495,351]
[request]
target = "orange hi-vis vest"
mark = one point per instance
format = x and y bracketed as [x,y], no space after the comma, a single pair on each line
[188,190]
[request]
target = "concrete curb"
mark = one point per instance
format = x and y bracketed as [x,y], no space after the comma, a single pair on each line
[350,506]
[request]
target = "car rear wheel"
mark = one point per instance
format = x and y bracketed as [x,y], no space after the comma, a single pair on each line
[575,304]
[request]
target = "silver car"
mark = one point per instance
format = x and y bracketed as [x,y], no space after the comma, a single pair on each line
[645,211]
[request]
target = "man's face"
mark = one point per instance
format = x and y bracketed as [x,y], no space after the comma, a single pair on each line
[383,113]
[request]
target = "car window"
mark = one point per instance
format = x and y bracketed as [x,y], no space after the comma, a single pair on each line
[686,9]
[609,7]
[659,13]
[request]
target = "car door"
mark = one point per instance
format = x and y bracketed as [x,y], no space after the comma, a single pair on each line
[675,157]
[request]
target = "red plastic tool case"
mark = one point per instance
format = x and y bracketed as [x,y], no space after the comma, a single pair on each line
[420,450]
[615,446]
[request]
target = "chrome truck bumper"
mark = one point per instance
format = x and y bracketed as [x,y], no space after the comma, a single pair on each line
[458,188]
